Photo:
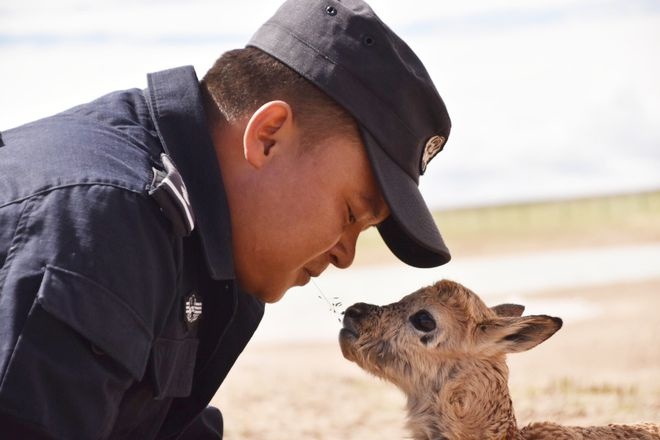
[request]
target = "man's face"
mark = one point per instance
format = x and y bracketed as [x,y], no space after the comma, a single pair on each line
[307,209]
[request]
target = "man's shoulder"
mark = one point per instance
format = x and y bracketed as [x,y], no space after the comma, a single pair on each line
[108,141]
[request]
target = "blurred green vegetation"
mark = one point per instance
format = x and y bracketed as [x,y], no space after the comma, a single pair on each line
[537,226]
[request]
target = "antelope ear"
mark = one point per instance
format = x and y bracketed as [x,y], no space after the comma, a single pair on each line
[513,335]
[511,310]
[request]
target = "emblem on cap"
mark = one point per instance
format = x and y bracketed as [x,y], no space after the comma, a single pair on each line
[193,308]
[433,146]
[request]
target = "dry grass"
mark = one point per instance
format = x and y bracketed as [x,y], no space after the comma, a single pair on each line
[603,221]
[602,370]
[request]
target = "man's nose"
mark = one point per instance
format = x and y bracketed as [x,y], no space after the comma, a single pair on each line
[343,253]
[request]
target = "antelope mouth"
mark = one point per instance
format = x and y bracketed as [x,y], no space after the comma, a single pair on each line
[347,341]
[349,330]
[347,333]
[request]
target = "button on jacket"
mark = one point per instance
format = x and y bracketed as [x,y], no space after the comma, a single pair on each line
[100,284]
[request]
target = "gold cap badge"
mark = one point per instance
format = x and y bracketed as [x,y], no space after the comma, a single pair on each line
[433,146]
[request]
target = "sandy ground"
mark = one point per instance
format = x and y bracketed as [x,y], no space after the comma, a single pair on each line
[593,371]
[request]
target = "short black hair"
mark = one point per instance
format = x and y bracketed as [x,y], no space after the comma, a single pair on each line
[242,80]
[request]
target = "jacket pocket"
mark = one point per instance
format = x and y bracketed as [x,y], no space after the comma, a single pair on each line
[78,352]
[173,367]
[110,325]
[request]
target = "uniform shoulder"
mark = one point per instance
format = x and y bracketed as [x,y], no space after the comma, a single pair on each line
[108,141]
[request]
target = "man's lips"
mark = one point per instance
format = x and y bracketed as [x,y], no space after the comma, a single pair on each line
[308,275]
[313,273]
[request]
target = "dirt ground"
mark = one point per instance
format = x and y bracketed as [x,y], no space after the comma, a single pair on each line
[593,371]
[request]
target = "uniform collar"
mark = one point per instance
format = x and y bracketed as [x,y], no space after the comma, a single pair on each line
[175,101]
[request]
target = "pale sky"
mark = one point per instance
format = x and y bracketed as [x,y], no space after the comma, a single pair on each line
[548,99]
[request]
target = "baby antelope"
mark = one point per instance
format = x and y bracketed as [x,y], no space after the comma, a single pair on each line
[445,349]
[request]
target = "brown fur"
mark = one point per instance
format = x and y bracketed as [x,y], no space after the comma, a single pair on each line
[455,375]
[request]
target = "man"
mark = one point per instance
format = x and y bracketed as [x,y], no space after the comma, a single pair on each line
[141,233]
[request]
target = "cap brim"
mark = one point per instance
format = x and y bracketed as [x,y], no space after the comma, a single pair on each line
[410,231]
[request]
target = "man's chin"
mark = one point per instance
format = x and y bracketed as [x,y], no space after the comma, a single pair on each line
[266,292]
[272,293]
[269,297]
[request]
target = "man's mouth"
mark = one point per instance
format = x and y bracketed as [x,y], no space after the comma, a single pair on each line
[312,273]
[308,275]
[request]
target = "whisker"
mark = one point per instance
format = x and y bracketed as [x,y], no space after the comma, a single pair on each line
[332,306]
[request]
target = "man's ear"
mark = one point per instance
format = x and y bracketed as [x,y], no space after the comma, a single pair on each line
[512,310]
[268,128]
[513,335]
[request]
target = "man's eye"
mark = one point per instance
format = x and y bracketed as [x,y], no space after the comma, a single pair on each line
[423,321]
[351,216]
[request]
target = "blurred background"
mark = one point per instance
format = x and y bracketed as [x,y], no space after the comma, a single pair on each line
[548,192]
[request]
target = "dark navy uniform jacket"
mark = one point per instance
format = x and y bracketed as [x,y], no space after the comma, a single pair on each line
[97,262]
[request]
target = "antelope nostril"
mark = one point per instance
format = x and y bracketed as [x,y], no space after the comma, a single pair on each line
[356,311]
[353,312]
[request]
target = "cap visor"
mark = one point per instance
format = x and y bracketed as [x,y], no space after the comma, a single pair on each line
[410,231]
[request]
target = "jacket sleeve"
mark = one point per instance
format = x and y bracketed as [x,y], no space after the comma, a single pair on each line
[90,270]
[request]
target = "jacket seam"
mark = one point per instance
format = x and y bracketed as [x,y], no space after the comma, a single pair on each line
[69,185]
[126,137]
[17,239]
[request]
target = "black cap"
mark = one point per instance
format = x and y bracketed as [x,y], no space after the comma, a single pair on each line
[344,49]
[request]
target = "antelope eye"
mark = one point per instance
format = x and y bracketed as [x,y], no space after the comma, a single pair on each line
[422,321]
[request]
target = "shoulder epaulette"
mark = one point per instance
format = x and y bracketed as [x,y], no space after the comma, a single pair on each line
[169,191]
